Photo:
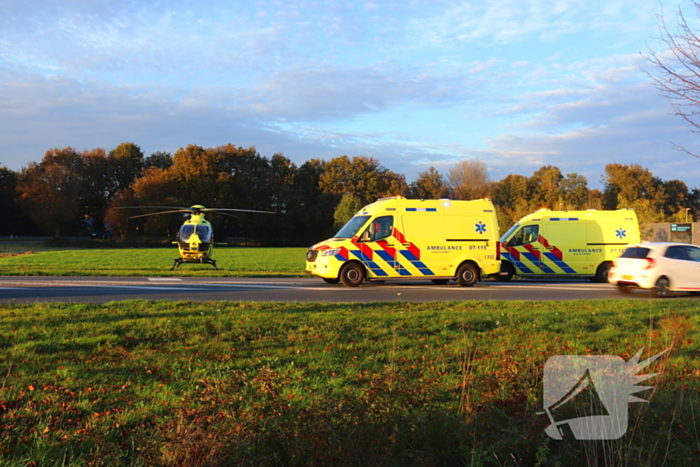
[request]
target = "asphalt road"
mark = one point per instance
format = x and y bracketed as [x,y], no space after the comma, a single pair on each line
[106,289]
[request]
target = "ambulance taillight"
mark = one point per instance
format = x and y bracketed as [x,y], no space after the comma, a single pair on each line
[498,251]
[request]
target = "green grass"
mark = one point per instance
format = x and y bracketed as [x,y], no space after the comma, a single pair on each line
[227,383]
[231,262]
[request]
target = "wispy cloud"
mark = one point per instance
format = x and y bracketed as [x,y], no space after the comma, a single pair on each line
[508,21]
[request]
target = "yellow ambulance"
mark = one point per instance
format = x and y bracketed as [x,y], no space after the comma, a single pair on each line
[567,243]
[399,238]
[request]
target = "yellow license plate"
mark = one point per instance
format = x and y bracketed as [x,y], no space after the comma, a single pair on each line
[627,278]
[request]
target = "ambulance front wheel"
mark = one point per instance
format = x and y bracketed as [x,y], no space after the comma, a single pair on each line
[601,274]
[467,275]
[352,275]
[507,272]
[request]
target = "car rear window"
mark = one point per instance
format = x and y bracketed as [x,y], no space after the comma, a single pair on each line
[636,252]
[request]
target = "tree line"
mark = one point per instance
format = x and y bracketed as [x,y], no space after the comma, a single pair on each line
[72,193]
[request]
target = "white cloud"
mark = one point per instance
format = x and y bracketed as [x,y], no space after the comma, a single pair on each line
[414,83]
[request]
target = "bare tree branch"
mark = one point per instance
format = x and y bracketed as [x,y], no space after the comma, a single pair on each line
[676,71]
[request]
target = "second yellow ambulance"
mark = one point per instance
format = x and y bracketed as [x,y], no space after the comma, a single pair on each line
[398,238]
[567,243]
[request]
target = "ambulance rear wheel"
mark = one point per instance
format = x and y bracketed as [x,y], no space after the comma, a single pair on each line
[467,275]
[352,275]
[601,275]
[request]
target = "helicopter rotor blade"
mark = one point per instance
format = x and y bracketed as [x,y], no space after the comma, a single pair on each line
[154,207]
[223,213]
[191,210]
[218,210]
[162,212]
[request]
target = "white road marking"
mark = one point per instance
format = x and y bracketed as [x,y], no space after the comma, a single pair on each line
[259,286]
[139,287]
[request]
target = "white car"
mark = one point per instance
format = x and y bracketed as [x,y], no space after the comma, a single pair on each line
[659,267]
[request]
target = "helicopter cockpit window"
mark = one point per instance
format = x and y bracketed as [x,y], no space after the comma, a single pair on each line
[203,232]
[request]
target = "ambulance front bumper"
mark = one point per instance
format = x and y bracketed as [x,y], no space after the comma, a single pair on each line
[322,264]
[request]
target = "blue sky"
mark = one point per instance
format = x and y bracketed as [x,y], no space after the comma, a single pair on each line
[516,83]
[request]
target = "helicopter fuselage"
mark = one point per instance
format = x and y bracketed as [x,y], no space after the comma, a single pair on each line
[195,241]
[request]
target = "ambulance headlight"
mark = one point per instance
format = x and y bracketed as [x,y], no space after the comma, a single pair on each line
[332,252]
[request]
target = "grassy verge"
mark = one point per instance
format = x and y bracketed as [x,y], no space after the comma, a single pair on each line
[227,383]
[231,261]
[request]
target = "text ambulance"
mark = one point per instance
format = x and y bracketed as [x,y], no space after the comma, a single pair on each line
[567,243]
[398,238]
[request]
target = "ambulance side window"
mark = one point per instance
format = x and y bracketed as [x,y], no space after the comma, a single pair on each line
[379,228]
[525,235]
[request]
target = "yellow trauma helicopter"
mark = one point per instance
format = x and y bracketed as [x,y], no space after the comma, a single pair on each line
[195,240]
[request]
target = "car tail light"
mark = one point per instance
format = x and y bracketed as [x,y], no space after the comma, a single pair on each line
[650,263]
[613,264]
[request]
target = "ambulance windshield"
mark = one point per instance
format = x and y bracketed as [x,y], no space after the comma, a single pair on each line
[527,234]
[350,229]
[509,233]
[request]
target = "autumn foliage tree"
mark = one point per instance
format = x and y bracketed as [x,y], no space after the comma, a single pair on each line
[117,216]
[51,190]
[633,186]
[430,185]
[69,190]
[125,164]
[511,196]
[362,177]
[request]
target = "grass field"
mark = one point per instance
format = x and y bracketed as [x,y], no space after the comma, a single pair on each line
[40,260]
[227,383]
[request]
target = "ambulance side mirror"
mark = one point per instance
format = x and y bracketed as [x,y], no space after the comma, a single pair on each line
[365,236]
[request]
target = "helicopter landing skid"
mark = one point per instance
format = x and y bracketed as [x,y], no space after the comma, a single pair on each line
[179,261]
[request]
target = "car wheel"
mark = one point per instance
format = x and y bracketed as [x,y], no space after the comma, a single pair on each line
[624,288]
[467,275]
[662,288]
[507,272]
[601,275]
[352,275]
[330,281]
